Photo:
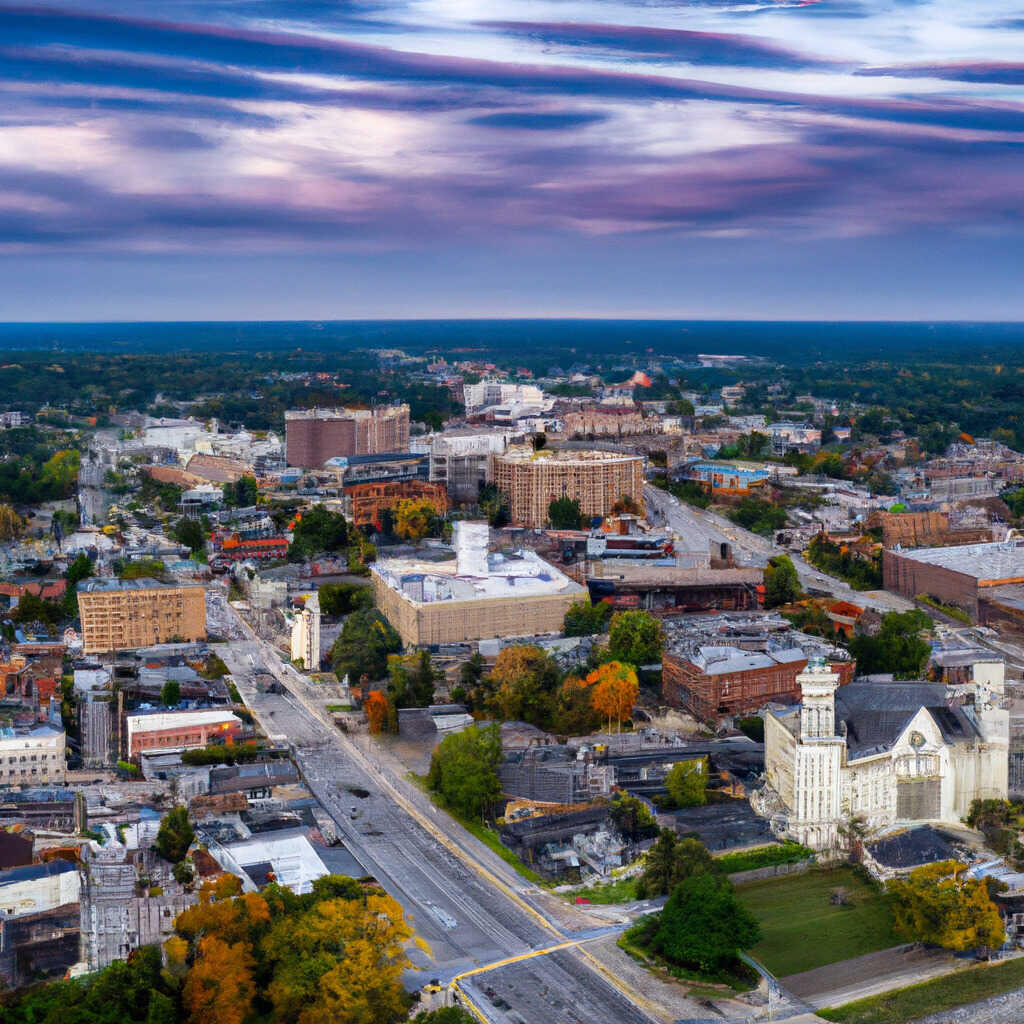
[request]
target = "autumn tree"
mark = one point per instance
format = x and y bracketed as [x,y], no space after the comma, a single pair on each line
[415,518]
[939,904]
[687,783]
[523,683]
[614,689]
[575,714]
[11,524]
[219,987]
[376,707]
[635,637]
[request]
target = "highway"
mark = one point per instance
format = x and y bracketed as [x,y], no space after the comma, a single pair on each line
[469,906]
[699,529]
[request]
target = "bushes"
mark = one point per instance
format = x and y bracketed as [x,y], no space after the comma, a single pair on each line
[765,856]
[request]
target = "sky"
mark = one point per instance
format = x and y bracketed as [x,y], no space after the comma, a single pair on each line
[263,159]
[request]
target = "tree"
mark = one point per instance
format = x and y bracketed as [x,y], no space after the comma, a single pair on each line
[635,637]
[493,505]
[575,714]
[523,684]
[898,648]
[190,533]
[614,691]
[170,694]
[670,861]
[318,530]
[241,493]
[626,503]
[565,514]
[415,519]
[781,582]
[377,708]
[445,1015]
[175,835]
[337,599]
[60,473]
[78,570]
[586,619]
[463,769]
[11,524]
[219,988]
[687,783]
[939,904]
[363,646]
[413,680]
[631,816]
[704,925]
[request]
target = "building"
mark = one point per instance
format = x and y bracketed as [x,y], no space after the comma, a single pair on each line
[473,596]
[32,756]
[596,479]
[166,730]
[607,422]
[661,588]
[724,478]
[794,437]
[714,681]
[367,502]
[983,580]
[462,462]
[312,436]
[924,529]
[119,614]
[235,548]
[881,754]
[306,634]
[500,392]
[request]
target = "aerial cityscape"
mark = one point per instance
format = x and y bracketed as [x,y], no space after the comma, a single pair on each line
[511,513]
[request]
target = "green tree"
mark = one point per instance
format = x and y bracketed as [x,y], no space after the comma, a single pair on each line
[687,783]
[413,680]
[170,694]
[586,619]
[898,648]
[175,835]
[337,599]
[575,714]
[758,516]
[523,684]
[631,816]
[565,514]
[78,570]
[318,530]
[493,505]
[463,769]
[241,493]
[363,646]
[445,1015]
[190,533]
[781,582]
[670,861]
[704,925]
[635,637]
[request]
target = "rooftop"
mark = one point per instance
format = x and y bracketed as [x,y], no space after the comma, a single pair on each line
[525,453]
[1003,560]
[110,585]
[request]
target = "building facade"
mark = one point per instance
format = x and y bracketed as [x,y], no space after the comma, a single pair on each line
[878,754]
[32,757]
[118,614]
[306,634]
[312,436]
[596,479]
[462,462]
[176,730]
[367,502]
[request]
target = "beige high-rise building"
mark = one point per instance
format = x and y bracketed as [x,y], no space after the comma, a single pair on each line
[121,614]
[596,479]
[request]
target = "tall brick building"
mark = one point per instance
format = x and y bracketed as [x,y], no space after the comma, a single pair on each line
[596,479]
[312,436]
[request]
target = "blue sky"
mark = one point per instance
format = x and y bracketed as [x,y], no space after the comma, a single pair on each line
[248,159]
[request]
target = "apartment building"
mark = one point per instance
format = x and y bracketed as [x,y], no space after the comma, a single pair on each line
[500,392]
[177,730]
[312,436]
[118,614]
[32,757]
[596,479]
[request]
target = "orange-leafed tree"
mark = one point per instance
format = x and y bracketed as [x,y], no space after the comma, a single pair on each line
[614,688]
[376,708]
[219,988]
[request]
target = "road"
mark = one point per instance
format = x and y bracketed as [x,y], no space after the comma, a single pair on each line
[466,903]
[699,529]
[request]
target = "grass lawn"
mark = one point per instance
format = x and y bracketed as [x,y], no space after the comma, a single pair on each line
[619,890]
[906,1004]
[801,929]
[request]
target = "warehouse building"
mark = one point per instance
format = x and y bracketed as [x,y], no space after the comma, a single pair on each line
[118,614]
[180,730]
[596,479]
[473,596]
[983,580]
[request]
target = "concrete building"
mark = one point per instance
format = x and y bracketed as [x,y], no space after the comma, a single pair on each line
[881,754]
[669,588]
[596,479]
[794,437]
[500,392]
[607,422]
[306,634]
[120,614]
[32,756]
[367,502]
[977,578]
[312,436]
[178,730]
[462,462]
[475,595]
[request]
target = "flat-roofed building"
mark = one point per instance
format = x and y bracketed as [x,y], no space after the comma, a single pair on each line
[312,436]
[475,595]
[119,614]
[596,479]
[180,730]
[33,756]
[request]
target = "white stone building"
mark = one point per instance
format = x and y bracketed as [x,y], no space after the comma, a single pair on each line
[306,635]
[32,757]
[872,755]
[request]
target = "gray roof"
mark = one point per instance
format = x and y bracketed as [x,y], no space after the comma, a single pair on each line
[33,871]
[876,714]
[912,848]
[1001,560]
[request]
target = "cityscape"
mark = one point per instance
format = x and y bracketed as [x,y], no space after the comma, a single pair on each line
[511,513]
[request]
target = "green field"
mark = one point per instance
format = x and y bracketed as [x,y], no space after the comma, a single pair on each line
[802,930]
[907,1004]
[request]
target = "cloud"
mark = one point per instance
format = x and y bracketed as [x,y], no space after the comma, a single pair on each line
[990,73]
[540,120]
